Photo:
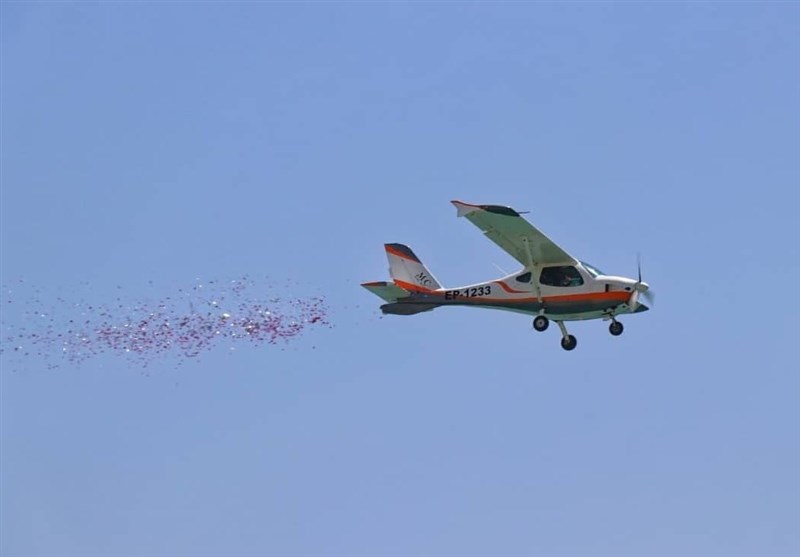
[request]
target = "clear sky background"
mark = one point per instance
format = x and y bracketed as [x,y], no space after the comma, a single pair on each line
[167,142]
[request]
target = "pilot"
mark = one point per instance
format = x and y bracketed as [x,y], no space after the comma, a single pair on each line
[566,279]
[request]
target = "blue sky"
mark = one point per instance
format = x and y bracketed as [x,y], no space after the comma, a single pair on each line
[168,142]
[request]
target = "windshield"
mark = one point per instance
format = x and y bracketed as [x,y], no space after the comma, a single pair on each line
[594,271]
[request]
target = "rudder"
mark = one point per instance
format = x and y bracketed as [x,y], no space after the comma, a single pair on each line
[407,270]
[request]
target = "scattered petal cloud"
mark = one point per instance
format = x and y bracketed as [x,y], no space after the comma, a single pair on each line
[185,324]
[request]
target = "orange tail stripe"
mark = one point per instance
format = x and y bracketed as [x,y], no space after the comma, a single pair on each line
[412,287]
[399,254]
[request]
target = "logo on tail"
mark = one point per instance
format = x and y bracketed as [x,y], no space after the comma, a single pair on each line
[407,269]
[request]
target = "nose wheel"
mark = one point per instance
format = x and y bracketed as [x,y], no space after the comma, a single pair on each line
[569,342]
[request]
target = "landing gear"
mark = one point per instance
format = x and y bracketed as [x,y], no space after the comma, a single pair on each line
[616,328]
[568,342]
[540,323]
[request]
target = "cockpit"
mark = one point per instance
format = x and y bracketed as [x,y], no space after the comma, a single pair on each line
[561,275]
[565,275]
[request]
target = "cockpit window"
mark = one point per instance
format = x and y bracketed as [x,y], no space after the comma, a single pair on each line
[525,277]
[594,271]
[561,276]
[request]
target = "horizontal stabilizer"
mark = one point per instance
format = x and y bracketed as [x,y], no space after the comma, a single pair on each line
[406,309]
[389,291]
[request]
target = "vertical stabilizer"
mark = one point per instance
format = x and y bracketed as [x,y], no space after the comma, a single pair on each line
[408,271]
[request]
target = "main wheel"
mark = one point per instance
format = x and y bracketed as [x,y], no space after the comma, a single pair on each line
[569,343]
[540,323]
[616,328]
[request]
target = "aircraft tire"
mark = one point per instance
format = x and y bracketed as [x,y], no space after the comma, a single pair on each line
[616,328]
[540,323]
[569,342]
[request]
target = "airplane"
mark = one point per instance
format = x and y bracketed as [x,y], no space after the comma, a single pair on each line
[552,285]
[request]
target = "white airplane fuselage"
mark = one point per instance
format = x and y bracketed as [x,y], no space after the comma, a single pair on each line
[597,296]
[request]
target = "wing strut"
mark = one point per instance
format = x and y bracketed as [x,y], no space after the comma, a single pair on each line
[534,268]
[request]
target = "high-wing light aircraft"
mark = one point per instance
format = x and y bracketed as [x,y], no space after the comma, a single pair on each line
[552,284]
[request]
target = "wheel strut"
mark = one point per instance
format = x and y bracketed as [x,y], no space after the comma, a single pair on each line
[568,342]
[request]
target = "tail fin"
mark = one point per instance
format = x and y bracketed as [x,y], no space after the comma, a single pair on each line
[408,271]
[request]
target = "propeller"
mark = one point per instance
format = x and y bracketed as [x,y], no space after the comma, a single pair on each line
[640,288]
[639,265]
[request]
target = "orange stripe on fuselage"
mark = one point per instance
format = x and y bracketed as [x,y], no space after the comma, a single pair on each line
[618,296]
[590,297]
[508,289]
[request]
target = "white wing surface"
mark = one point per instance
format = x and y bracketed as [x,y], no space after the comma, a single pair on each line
[506,228]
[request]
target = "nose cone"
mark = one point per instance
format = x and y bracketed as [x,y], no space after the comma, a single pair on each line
[642,286]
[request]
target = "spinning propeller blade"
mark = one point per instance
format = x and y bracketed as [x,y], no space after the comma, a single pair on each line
[633,302]
[641,287]
[639,265]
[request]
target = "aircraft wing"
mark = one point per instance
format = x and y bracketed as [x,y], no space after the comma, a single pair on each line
[506,228]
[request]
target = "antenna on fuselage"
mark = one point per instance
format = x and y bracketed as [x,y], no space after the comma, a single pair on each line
[499,268]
